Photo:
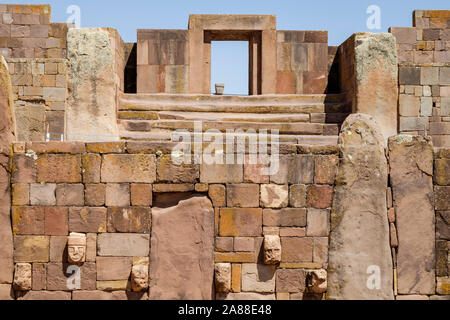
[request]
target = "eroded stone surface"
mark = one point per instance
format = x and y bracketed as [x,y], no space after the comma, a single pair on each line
[222,277]
[411,163]
[359,235]
[182,242]
[22,277]
[272,249]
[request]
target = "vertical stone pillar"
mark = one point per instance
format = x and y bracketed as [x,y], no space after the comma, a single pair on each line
[360,263]
[269,61]
[373,85]
[7,136]
[91,113]
[411,169]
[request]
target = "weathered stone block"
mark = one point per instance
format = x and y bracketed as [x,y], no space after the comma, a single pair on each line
[411,169]
[39,277]
[317,281]
[274,196]
[409,75]
[137,168]
[222,277]
[240,222]
[221,173]
[123,245]
[20,194]
[288,217]
[58,277]
[217,194]
[28,220]
[118,195]
[129,220]
[59,168]
[294,169]
[442,198]
[325,169]
[168,171]
[358,225]
[23,169]
[181,260]
[320,196]
[297,249]
[244,244]
[297,195]
[113,268]
[87,219]
[56,221]
[236,277]
[58,249]
[22,277]
[290,280]
[95,195]
[318,224]
[91,168]
[258,278]
[141,195]
[243,195]
[429,76]
[43,194]
[31,249]
[224,244]
[70,195]
[409,106]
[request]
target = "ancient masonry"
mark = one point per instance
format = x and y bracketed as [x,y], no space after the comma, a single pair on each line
[94,203]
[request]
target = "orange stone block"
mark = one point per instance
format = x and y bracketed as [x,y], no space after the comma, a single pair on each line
[59,168]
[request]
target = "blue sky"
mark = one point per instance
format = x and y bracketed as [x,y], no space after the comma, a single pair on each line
[340,18]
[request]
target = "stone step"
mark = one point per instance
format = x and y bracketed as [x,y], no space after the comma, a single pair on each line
[234,117]
[189,125]
[167,136]
[234,104]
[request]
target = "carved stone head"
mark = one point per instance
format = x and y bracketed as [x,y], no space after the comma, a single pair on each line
[139,278]
[77,248]
[22,277]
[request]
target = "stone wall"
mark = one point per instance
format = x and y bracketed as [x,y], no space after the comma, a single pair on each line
[302,62]
[107,191]
[424,76]
[26,32]
[162,61]
[40,92]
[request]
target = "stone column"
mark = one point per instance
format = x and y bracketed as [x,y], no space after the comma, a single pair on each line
[91,113]
[7,136]
[372,86]
[411,163]
[360,263]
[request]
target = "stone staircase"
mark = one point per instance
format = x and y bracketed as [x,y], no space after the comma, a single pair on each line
[313,119]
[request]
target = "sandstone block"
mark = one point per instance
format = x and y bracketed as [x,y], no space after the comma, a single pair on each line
[297,195]
[320,196]
[409,75]
[56,221]
[411,168]
[168,171]
[86,219]
[294,169]
[182,231]
[240,222]
[58,277]
[318,224]
[409,106]
[91,168]
[91,247]
[58,249]
[297,249]
[59,168]
[141,195]
[243,195]
[6,292]
[31,249]
[274,196]
[113,268]
[20,194]
[217,194]
[46,295]
[245,296]
[235,257]
[244,244]
[290,280]
[287,217]
[117,195]
[139,277]
[325,169]
[221,173]
[24,169]
[39,277]
[43,194]
[123,245]
[70,195]
[95,195]
[236,277]
[137,168]
[222,277]
[442,198]
[258,278]
[28,220]
[224,244]
[106,147]
[358,225]
[129,220]
[320,253]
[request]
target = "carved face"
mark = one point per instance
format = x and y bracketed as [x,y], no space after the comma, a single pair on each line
[76,253]
[140,277]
